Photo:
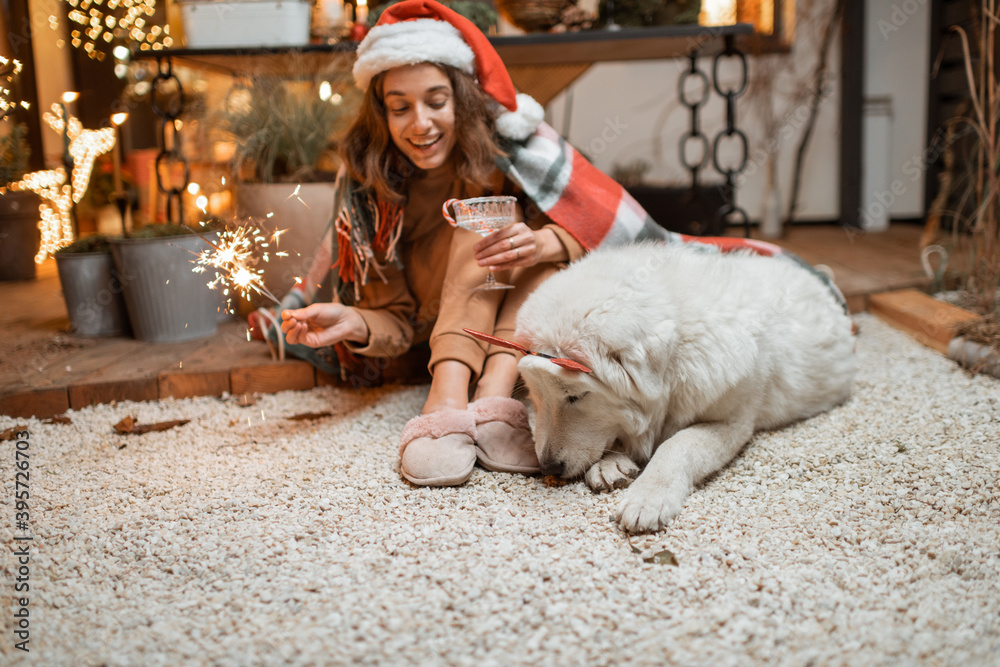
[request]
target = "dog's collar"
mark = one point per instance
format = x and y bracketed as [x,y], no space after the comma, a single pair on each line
[558,361]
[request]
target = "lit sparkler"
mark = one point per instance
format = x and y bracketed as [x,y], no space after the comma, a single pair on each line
[234,259]
[298,189]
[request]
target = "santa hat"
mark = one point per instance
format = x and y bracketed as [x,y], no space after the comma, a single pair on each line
[418,31]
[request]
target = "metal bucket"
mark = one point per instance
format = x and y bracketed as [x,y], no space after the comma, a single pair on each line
[93,293]
[167,302]
[19,235]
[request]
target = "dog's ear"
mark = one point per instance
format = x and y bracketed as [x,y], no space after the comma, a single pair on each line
[638,369]
[628,377]
[712,362]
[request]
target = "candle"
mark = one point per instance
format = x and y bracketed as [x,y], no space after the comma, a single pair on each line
[334,10]
[116,153]
[69,96]
[363,12]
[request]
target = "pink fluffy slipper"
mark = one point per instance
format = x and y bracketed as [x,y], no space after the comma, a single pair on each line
[504,442]
[438,449]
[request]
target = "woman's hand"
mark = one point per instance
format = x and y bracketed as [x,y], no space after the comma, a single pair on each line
[322,324]
[519,245]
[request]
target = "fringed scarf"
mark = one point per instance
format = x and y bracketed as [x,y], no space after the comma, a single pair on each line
[367,233]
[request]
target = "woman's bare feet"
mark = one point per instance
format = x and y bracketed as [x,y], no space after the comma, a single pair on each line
[449,387]
[499,376]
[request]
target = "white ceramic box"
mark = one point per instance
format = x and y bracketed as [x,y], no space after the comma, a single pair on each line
[247,23]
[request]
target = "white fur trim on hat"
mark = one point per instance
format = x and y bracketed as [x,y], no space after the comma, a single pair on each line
[409,43]
[521,123]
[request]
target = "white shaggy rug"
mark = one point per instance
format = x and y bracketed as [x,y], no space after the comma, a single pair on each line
[866,536]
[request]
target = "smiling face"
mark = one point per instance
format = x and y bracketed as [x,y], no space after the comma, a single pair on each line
[420,111]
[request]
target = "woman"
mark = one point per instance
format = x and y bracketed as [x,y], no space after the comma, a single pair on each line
[440,120]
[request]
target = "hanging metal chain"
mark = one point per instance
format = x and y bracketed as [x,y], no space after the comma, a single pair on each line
[694,105]
[730,213]
[172,170]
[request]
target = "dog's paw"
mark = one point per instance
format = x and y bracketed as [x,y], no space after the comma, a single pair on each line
[650,504]
[613,471]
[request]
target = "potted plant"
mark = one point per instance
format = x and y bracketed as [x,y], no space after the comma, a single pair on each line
[167,300]
[480,12]
[282,133]
[638,13]
[19,234]
[92,288]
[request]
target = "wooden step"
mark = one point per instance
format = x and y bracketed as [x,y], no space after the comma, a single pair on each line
[929,320]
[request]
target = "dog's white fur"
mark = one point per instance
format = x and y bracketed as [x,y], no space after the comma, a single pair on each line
[692,351]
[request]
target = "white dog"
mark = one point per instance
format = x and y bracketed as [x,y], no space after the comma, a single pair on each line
[691,352]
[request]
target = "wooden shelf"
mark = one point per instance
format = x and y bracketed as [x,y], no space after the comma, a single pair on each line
[594,46]
[290,62]
[536,49]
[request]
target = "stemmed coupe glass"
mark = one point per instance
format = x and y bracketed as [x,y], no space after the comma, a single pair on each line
[483,215]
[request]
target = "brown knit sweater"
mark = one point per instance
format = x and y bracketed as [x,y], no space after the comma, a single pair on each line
[431,297]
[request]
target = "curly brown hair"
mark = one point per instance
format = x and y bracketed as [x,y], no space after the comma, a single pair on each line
[374,161]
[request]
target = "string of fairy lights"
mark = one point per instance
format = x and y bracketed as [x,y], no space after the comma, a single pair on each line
[84,146]
[97,22]
[55,222]
[58,191]
[93,22]
[9,69]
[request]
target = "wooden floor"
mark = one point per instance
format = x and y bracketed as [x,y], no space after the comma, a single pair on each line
[45,370]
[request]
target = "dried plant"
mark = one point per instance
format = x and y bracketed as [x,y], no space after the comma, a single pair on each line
[977,213]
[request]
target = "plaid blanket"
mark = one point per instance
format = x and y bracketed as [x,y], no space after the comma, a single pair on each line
[597,211]
[575,194]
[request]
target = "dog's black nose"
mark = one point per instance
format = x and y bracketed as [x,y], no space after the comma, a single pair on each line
[556,468]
